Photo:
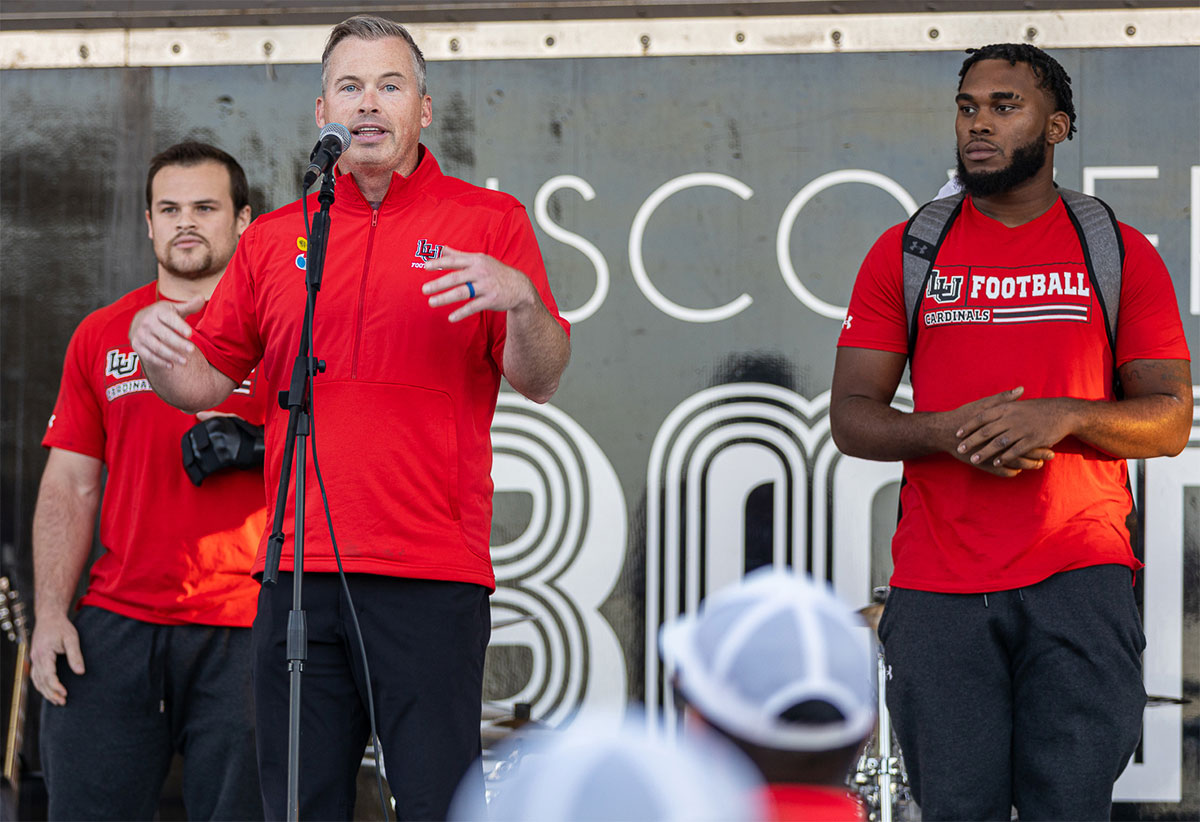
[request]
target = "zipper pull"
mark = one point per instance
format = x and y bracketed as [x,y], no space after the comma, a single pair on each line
[374,217]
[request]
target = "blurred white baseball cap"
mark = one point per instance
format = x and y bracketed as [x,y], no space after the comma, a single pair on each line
[763,657]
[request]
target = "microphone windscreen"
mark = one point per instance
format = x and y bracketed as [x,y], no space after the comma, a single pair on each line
[339,131]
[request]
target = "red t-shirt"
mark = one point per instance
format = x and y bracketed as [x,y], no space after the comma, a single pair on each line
[811,803]
[1017,309]
[174,553]
[404,408]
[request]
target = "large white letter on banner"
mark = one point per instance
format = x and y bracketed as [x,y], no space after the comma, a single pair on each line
[638,266]
[563,566]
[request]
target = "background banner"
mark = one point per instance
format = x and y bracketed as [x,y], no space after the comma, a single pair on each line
[702,218]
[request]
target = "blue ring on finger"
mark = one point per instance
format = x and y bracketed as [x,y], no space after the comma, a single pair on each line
[470,290]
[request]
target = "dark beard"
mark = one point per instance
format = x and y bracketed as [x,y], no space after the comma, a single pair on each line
[195,269]
[1027,160]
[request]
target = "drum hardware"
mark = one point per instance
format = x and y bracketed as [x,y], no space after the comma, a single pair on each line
[879,778]
[520,720]
[1153,701]
[504,623]
[493,710]
[505,743]
[366,808]
[507,735]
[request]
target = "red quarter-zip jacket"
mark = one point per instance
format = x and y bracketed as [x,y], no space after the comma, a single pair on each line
[402,413]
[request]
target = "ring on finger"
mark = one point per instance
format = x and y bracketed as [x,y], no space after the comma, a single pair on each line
[470,290]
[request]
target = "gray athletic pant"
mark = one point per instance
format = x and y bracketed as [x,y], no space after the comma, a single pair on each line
[149,691]
[1030,697]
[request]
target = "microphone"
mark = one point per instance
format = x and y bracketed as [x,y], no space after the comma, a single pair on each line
[333,140]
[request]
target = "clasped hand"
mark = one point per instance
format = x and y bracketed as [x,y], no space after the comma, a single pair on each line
[1004,436]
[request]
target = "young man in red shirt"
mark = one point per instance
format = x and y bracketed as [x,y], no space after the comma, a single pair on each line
[157,658]
[1012,637]
[415,336]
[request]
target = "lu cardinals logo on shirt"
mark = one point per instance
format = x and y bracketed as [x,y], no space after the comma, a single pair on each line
[944,289]
[1024,294]
[427,251]
[121,365]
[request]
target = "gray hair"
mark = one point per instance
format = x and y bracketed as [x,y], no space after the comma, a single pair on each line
[368,27]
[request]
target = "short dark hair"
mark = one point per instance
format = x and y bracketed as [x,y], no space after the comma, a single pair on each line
[778,765]
[193,153]
[1049,72]
[369,27]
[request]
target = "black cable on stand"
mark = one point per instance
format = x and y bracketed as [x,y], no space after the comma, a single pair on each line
[334,139]
[297,401]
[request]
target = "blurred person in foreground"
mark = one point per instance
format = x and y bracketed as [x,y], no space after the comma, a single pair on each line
[784,670]
[608,768]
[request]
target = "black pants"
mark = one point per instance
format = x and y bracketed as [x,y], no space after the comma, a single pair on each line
[149,691]
[1031,697]
[425,643]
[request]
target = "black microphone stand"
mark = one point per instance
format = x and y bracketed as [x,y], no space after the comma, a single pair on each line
[297,401]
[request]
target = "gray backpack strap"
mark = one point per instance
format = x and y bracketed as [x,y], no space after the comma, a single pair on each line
[1103,253]
[923,236]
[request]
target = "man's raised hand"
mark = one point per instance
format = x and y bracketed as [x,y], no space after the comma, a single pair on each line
[160,334]
[484,282]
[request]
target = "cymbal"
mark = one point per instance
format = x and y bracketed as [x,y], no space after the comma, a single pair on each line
[1152,700]
[494,732]
[504,623]
[491,710]
[871,615]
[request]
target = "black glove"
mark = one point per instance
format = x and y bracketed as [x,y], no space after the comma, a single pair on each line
[221,442]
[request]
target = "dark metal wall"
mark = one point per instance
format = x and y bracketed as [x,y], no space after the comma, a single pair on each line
[108,14]
[75,145]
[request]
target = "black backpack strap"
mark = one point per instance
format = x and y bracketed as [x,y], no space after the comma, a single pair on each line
[1103,253]
[923,236]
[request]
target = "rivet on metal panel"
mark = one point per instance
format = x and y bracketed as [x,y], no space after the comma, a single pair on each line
[740,37]
[454,44]
[1030,33]
[837,37]
[549,42]
[1131,30]
[83,52]
[268,47]
[645,41]
[934,34]
[176,48]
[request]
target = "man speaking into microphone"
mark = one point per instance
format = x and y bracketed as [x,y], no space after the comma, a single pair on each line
[432,290]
